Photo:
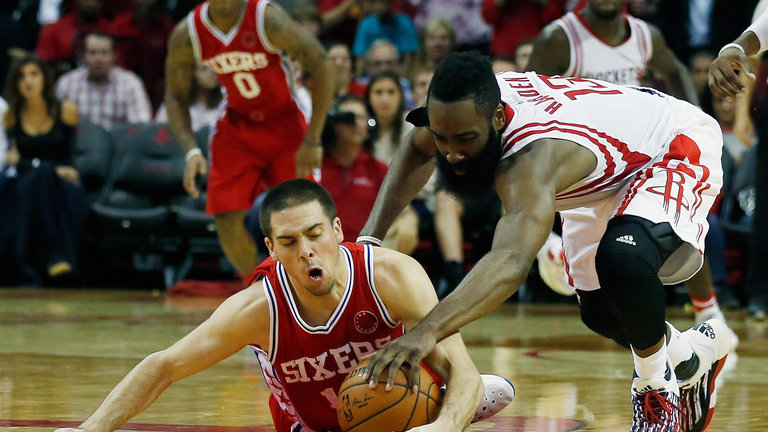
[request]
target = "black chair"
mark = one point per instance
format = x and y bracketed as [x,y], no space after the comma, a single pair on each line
[94,151]
[134,214]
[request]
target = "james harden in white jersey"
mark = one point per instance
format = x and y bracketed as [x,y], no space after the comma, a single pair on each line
[653,152]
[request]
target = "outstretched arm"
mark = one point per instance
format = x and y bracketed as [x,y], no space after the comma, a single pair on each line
[239,321]
[527,184]
[409,296]
[179,73]
[407,174]
[288,36]
[674,72]
[723,80]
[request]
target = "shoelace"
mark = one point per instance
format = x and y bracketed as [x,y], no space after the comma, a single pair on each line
[657,408]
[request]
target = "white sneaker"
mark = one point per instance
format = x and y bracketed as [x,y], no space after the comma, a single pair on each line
[498,392]
[710,342]
[655,404]
[717,313]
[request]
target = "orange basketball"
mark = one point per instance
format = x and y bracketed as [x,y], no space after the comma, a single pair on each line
[363,409]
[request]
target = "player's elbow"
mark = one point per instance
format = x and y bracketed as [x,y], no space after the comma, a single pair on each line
[160,366]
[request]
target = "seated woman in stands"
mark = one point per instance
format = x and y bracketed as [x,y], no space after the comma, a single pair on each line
[204,95]
[43,208]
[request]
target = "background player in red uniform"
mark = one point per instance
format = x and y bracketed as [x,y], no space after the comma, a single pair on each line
[318,308]
[262,137]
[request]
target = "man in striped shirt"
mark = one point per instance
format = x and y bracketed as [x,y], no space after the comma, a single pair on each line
[105,94]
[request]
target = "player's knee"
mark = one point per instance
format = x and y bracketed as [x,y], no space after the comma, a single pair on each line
[627,255]
[596,314]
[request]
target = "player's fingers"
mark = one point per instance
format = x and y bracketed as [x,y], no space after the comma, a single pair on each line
[746,66]
[394,367]
[721,85]
[415,375]
[203,167]
[189,181]
[376,366]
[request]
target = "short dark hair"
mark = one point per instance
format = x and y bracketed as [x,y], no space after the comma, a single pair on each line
[99,35]
[466,75]
[290,194]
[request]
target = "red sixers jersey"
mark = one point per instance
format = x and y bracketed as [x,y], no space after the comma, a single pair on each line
[304,366]
[258,81]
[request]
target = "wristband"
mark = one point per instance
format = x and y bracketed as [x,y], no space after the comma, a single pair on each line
[193,152]
[732,45]
[369,240]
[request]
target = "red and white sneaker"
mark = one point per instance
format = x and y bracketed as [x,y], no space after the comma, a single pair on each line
[498,392]
[710,342]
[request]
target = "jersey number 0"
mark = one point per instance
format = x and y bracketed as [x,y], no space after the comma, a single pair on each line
[246,84]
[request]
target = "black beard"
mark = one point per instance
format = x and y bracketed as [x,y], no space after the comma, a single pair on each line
[479,170]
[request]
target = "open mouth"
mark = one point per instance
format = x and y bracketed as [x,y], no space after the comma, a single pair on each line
[315,274]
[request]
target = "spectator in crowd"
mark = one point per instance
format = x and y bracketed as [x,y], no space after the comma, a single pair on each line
[503,63]
[515,20]
[698,67]
[692,25]
[422,76]
[458,220]
[384,97]
[439,40]
[518,62]
[523,52]
[141,41]
[205,96]
[106,94]
[61,42]
[465,17]
[44,206]
[341,57]
[385,23]
[350,174]
[383,56]
[340,19]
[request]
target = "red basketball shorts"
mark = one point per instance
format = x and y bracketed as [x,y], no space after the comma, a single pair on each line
[246,157]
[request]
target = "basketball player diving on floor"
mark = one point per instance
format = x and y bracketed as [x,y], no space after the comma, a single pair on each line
[315,309]
[633,173]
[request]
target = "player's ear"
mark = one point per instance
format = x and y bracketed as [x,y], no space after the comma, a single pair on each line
[337,229]
[271,248]
[499,117]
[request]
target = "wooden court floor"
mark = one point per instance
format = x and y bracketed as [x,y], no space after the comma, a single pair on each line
[62,351]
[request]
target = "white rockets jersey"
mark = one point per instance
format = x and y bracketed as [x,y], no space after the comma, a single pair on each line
[627,128]
[591,57]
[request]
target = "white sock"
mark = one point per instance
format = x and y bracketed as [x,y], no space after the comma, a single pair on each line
[655,365]
[678,347]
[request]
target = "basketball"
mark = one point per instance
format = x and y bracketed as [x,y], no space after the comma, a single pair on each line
[363,409]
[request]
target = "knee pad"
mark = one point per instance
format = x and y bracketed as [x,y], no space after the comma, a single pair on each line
[633,250]
[598,315]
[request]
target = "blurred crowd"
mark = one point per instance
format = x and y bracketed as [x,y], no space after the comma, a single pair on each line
[103,61]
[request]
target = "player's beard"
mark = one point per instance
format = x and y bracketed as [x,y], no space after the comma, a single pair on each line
[479,170]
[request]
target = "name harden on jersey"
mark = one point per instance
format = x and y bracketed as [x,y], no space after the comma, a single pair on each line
[237,61]
[340,362]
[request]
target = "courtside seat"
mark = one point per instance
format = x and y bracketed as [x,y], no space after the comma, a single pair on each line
[134,212]
[94,150]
